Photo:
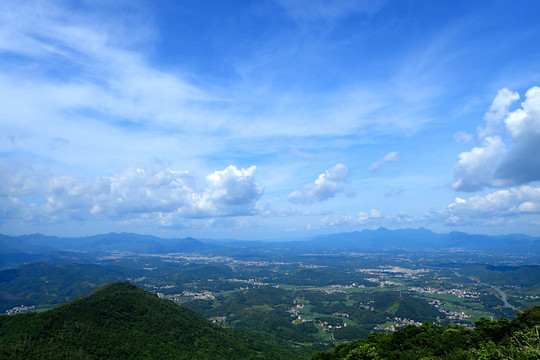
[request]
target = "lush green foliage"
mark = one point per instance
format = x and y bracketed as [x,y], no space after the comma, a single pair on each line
[526,275]
[121,321]
[490,339]
[47,284]
[265,310]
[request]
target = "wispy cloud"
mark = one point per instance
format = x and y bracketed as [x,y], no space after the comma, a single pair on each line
[90,89]
[373,219]
[390,157]
[462,137]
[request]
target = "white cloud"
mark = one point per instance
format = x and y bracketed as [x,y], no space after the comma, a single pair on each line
[361,218]
[462,137]
[106,73]
[327,185]
[490,164]
[233,187]
[502,206]
[476,168]
[522,165]
[497,112]
[302,154]
[390,157]
[163,194]
[372,218]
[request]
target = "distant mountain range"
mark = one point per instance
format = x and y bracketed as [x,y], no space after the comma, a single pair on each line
[36,245]
[136,243]
[421,239]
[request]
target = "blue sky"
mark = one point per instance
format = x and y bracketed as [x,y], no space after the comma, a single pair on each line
[269,119]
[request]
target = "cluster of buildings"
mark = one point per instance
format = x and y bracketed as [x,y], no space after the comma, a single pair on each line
[341,314]
[455,315]
[457,292]
[249,281]
[328,327]
[202,259]
[384,283]
[401,323]
[204,295]
[339,288]
[20,309]
[219,320]
[369,306]
[295,311]
[394,270]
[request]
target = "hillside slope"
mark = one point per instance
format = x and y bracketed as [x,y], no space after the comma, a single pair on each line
[121,321]
[518,339]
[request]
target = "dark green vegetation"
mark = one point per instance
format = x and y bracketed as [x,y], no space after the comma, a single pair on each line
[527,275]
[121,321]
[45,285]
[501,339]
[313,317]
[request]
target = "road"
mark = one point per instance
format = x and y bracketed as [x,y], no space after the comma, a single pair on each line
[501,293]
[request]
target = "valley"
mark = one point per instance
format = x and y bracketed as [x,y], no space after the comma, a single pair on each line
[312,297]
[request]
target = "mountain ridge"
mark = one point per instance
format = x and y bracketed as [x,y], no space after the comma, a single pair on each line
[381,238]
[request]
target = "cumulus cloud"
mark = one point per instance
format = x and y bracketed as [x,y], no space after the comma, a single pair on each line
[390,157]
[522,164]
[327,185]
[494,208]
[476,168]
[162,194]
[497,112]
[490,163]
[233,187]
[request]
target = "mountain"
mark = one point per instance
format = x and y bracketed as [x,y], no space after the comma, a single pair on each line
[380,239]
[130,242]
[14,245]
[42,283]
[122,321]
[15,251]
[421,239]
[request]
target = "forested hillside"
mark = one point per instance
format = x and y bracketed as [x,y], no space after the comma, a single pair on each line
[490,339]
[121,321]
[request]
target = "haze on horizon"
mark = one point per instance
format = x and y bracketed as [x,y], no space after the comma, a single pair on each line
[269,119]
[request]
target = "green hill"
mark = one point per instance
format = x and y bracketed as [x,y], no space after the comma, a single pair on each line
[121,321]
[490,339]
